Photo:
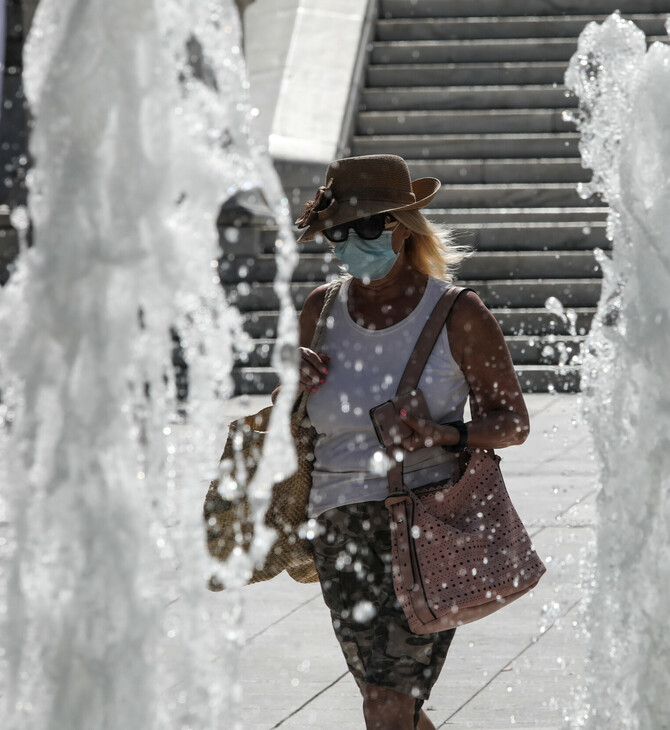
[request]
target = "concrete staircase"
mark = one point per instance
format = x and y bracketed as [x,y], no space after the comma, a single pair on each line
[470,91]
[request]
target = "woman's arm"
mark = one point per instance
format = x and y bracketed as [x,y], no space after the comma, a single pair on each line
[499,413]
[313,366]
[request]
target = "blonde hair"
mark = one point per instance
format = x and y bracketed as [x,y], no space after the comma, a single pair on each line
[431,249]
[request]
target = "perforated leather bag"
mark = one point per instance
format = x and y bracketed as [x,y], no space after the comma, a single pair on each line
[460,550]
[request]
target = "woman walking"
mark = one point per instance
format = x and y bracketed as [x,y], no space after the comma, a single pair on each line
[399,265]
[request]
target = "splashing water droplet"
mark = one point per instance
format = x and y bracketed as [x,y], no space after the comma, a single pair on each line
[364,611]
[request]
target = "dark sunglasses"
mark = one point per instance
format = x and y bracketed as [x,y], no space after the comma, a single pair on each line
[369,228]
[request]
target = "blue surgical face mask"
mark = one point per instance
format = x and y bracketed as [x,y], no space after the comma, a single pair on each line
[367,259]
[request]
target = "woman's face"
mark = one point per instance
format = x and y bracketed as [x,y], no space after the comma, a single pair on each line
[368,247]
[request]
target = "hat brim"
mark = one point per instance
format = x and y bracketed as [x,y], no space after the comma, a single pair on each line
[424,189]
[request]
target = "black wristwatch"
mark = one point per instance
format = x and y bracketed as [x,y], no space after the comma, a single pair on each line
[462,441]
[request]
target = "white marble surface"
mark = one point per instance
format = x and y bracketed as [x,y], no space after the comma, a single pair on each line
[268,27]
[314,92]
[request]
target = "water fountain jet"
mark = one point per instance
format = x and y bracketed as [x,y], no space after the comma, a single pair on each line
[141,131]
[624,93]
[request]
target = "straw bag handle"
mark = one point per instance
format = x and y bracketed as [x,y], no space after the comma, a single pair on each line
[319,333]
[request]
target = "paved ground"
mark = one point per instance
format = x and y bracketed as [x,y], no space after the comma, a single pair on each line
[520,667]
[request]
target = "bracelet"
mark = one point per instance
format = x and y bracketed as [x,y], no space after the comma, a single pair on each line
[462,441]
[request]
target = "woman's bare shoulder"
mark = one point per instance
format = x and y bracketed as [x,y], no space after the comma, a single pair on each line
[315,299]
[469,313]
[471,321]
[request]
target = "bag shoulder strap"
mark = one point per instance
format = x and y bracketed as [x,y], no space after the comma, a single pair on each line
[410,378]
[427,339]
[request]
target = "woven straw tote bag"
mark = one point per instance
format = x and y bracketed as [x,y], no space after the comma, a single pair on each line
[229,523]
[459,549]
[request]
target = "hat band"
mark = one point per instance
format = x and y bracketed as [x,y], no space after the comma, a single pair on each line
[383,195]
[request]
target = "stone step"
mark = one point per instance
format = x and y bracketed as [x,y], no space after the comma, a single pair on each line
[313,267]
[540,170]
[533,379]
[473,146]
[517,265]
[516,216]
[474,51]
[495,293]
[469,217]
[475,97]
[514,322]
[470,8]
[544,350]
[515,195]
[534,293]
[504,50]
[548,378]
[549,26]
[538,321]
[466,74]
[560,236]
[480,121]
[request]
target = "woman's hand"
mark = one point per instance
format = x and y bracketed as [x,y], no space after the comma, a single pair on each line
[427,433]
[313,369]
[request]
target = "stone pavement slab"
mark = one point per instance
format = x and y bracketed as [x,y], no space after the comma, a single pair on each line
[520,667]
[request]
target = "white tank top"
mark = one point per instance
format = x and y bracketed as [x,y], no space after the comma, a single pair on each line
[364,370]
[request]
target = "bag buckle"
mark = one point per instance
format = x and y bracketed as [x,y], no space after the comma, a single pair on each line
[396,498]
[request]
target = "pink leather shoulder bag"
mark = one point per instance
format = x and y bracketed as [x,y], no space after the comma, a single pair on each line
[460,550]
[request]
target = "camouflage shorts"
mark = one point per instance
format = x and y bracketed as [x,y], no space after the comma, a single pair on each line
[352,553]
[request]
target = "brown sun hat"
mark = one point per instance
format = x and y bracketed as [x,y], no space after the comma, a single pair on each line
[361,186]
